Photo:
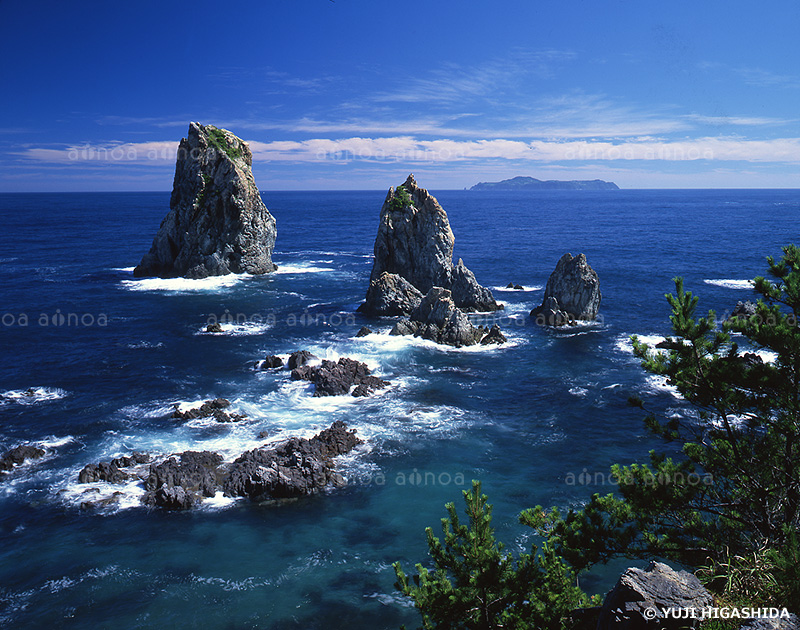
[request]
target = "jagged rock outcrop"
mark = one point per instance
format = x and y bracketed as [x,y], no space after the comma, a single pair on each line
[209,409]
[296,468]
[181,481]
[390,294]
[18,455]
[337,378]
[111,471]
[494,336]
[438,319]
[301,357]
[415,243]
[217,223]
[572,293]
[270,363]
[743,310]
[629,604]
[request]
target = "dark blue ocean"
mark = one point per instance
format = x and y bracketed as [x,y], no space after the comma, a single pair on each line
[108,355]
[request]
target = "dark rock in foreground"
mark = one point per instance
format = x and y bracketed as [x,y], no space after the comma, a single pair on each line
[301,357]
[627,606]
[363,332]
[271,362]
[18,455]
[217,223]
[495,335]
[338,378]
[572,293]
[110,471]
[744,310]
[214,328]
[296,468]
[182,480]
[415,244]
[210,408]
[438,319]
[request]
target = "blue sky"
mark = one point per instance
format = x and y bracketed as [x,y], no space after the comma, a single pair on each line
[355,94]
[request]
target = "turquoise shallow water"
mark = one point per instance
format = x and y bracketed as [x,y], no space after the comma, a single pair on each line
[521,418]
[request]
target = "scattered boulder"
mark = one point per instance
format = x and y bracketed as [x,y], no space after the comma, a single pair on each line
[110,471]
[18,455]
[271,362]
[217,223]
[438,319]
[390,294]
[210,408]
[216,327]
[629,604]
[744,310]
[415,243]
[296,468]
[301,357]
[182,480]
[495,335]
[572,293]
[338,378]
[517,287]
[363,332]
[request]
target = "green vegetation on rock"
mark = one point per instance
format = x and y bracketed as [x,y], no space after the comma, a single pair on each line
[401,199]
[218,139]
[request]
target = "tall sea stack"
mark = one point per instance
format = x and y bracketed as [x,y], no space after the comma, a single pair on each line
[572,293]
[217,223]
[414,253]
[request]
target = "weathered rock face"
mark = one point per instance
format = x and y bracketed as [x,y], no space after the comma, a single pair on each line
[390,294]
[438,319]
[296,468]
[17,456]
[337,378]
[627,606]
[217,223]
[181,482]
[415,243]
[467,293]
[112,471]
[572,293]
[209,409]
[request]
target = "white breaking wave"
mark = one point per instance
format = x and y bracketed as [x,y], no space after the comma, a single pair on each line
[399,343]
[243,329]
[624,344]
[296,268]
[730,284]
[32,395]
[183,285]
[524,289]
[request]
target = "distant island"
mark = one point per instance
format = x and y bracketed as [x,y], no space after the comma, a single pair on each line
[531,183]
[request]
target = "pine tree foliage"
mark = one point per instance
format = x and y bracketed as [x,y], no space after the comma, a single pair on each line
[476,585]
[734,487]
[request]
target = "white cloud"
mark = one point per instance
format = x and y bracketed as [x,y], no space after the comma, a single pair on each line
[408,149]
